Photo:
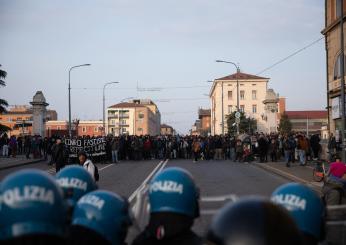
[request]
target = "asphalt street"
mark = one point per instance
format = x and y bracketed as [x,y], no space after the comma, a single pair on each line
[219,181]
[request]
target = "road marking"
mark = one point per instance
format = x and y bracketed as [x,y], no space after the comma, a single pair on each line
[209,212]
[109,165]
[230,197]
[51,171]
[157,169]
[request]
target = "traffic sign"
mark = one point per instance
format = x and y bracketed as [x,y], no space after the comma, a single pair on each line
[237,114]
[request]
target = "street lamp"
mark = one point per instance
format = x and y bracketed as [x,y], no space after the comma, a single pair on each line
[238,71]
[69,98]
[104,124]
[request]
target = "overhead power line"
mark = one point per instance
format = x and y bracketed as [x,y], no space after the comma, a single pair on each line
[290,56]
[142,89]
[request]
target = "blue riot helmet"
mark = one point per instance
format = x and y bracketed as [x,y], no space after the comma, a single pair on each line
[75,182]
[305,206]
[32,205]
[253,221]
[102,217]
[173,190]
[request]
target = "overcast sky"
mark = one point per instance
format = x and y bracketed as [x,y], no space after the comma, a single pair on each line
[166,44]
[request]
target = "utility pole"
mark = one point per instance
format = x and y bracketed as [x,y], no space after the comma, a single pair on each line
[342,80]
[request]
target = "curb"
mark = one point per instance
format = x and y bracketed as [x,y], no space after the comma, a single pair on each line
[289,176]
[21,164]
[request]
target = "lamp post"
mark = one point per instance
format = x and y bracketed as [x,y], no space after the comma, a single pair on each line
[69,98]
[238,70]
[103,118]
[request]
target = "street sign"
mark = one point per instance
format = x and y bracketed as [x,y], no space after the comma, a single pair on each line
[237,115]
[237,120]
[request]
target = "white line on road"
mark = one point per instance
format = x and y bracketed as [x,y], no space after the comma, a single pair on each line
[157,169]
[109,165]
[222,198]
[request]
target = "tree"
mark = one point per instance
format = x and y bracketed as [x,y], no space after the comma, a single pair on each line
[285,125]
[3,103]
[247,125]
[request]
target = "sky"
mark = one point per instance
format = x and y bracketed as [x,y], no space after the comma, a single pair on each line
[163,50]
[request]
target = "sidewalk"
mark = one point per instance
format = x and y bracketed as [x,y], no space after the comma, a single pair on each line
[20,160]
[295,173]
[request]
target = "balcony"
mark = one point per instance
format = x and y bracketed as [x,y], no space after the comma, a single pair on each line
[121,116]
[113,116]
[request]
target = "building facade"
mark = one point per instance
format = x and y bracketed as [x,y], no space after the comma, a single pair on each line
[331,33]
[79,128]
[136,117]
[223,96]
[309,122]
[20,119]
[166,129]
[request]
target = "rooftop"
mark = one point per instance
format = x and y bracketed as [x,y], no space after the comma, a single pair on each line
[242,76]
[126,105]
[204,112]
[166,126]
[322,114]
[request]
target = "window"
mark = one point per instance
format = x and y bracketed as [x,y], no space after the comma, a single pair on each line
[112,122]
[254,84]
[84,129]
[242,94]
[242,108]
[230,95]
[337,66]
[338,8]
[254,94]
[9,119]
[230,109]
[140,115]
[122,122]
[254,108]
[96,129]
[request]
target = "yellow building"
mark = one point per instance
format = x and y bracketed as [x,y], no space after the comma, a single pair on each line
[136,117]
[331,32]
[223,96]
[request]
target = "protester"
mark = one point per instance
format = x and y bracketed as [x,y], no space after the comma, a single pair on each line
[87,164]
[59,154]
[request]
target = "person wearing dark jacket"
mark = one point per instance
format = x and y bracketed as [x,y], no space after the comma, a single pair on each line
[59,155]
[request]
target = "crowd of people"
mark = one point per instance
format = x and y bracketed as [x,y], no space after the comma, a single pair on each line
[270,147]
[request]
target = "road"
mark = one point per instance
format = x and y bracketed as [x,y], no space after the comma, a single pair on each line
[218,181]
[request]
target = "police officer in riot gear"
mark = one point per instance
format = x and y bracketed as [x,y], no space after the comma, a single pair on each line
[306,208]
[32,209]
[174,204]
[75,182]
[100,217]
[253,221]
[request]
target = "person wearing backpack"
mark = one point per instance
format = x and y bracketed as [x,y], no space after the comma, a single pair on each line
[88,165]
